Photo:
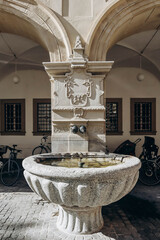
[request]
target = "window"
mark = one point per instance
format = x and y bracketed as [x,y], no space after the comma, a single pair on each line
[13,117]
[143,116]
[41,116]
[113,116]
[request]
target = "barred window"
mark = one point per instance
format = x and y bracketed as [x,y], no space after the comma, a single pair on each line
[41,116]
[143,116]
[13,117]
[113,116]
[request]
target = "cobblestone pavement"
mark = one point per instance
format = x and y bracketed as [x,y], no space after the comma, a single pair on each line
[23,215]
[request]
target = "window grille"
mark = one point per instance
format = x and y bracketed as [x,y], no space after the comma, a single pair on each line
[12,116]
[114,116]
[143,116]
[44,117]
[13,121]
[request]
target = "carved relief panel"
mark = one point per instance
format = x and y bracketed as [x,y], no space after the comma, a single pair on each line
[78,88]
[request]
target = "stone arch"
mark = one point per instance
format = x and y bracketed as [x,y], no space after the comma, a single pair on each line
[119,20]
[33,20]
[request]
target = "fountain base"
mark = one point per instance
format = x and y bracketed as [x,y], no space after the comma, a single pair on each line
[58,235]
[80,192]
[78,220]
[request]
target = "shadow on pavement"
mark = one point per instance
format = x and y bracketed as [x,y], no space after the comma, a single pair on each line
[20,186]
[132,218]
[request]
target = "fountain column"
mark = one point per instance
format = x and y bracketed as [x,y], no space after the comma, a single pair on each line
[77,100]
[78,125]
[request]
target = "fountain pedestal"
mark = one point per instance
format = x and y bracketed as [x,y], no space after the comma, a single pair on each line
[79,220]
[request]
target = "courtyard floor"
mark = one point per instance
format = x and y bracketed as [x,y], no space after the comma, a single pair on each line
[24,215]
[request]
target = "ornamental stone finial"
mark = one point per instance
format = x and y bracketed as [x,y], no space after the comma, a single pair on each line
[78,60]
[78,43]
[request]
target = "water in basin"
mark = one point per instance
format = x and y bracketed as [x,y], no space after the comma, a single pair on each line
[84,162]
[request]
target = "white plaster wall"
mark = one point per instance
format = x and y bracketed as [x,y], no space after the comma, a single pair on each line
[33,84]
[80,14]
[122,83]
[76,8]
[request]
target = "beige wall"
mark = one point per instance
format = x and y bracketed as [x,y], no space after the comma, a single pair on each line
[33,84]
[122,83]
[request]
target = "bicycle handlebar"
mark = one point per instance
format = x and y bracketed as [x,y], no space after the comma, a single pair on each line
[44,138]
[138,140]
[14,149]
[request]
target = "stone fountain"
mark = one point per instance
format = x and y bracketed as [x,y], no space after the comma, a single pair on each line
[78,175]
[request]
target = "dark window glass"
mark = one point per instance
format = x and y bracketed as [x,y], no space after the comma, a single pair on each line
[12,116]
[113,116]
[143,118]
[44,117]
[41,116]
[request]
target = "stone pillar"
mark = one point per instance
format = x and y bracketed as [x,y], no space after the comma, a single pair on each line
[77,100]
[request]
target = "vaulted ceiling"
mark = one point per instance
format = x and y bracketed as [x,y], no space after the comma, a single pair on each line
[22,53]
[127,52]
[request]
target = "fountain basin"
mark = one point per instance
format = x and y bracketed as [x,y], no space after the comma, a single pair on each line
[81,192]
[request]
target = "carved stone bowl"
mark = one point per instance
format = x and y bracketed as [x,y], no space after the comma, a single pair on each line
[81,192]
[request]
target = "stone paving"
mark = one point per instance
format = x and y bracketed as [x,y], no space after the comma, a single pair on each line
[24,216]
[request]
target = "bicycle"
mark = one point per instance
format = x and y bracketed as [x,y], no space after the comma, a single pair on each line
[43,147]
[10,170]
[127,147]
[150,170]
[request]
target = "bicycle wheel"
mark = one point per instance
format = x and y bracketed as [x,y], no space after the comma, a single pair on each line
[158,167]
[149,173]
[10,173]
[39,150]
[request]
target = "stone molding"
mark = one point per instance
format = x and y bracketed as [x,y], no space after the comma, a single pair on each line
[72,120]
[69,108]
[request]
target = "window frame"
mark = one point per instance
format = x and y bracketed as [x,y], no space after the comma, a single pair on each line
[12,101]
[119,102]
[35,116]
[153,114]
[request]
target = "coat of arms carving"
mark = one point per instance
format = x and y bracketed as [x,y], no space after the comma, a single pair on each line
[78,90]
